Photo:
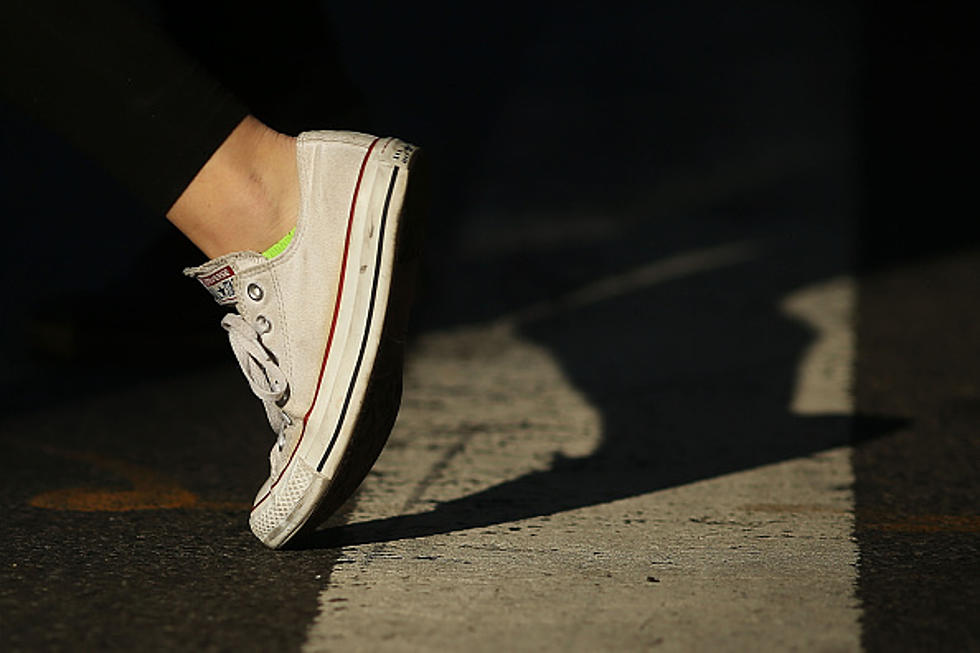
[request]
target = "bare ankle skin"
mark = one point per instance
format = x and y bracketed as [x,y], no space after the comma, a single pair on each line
[246,197]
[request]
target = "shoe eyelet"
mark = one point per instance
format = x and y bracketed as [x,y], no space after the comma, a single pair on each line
[255,292]
[262,324]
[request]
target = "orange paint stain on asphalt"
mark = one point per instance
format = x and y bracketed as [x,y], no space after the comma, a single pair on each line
[150,490]
[95,500]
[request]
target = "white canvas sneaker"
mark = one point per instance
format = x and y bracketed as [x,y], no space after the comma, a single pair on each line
[319,329]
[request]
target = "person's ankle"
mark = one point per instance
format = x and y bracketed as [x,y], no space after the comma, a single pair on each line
[246,197]
[277,179]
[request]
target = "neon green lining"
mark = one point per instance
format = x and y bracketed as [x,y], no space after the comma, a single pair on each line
[276,249]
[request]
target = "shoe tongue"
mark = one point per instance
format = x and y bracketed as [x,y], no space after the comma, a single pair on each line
[218,276]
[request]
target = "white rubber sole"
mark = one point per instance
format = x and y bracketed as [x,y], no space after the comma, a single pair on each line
[331,427]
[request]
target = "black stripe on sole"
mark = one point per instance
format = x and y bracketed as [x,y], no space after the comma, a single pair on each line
[367,330]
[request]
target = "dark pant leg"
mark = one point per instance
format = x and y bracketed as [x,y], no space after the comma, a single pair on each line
[118,89]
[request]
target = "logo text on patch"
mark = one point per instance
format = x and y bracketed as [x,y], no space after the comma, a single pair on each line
[219,284]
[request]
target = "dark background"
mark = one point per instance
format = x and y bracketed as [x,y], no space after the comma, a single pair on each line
[604,138]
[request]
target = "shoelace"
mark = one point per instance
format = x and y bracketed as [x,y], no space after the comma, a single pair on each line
[264,375]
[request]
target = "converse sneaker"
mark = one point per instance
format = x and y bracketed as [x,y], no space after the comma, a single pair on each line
[319,328]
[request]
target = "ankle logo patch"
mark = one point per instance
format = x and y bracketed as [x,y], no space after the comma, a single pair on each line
[220,286]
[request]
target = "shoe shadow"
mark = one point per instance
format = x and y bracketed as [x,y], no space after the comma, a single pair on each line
[573,483]
[693,378]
